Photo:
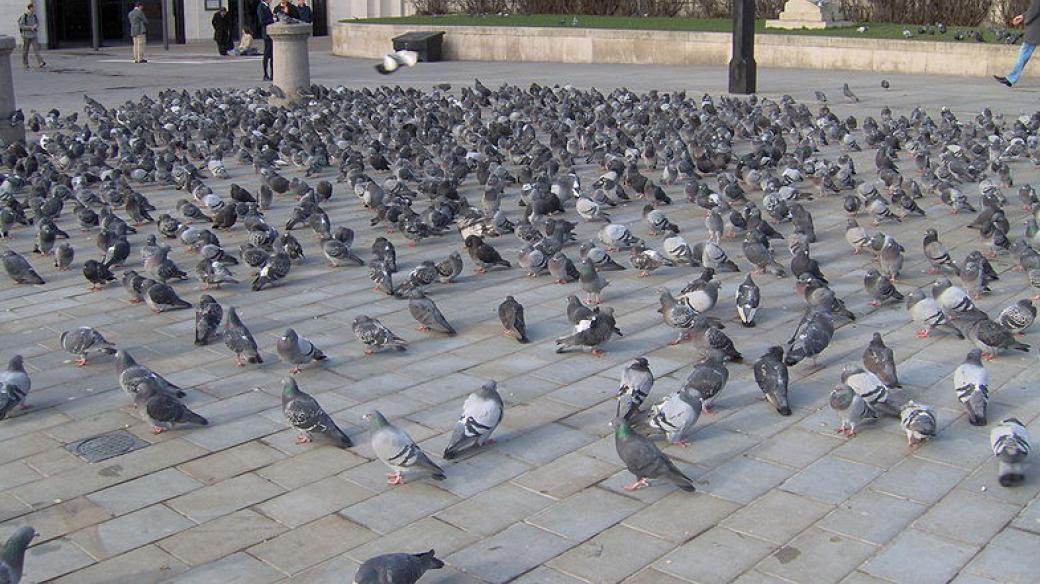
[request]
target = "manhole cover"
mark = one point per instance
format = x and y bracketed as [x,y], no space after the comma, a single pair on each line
[106,446]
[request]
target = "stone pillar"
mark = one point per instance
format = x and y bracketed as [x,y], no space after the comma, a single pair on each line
[810,14]
[292,64]
[8,133]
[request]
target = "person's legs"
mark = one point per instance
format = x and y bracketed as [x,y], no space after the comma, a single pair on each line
[25,52]
[267,61]
[136,50]
[1023,57]
[139,42]
[36,51]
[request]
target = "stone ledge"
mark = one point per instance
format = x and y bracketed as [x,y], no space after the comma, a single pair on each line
[586,45]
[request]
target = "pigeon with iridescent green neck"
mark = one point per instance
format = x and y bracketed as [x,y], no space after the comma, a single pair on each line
[645,460]
[12,557]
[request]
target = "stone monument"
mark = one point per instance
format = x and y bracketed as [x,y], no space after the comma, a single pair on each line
[8,133]
[810,14]
[292,63]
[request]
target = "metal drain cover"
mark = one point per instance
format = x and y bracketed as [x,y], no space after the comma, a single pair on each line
[106,446]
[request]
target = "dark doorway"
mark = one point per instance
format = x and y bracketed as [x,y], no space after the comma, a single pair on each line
[321,17]
[68,22]
[69,25]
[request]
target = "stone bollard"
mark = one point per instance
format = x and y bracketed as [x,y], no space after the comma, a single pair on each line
[292,64]
[8,134]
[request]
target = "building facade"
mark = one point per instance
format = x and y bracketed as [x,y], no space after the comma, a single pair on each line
[72,23]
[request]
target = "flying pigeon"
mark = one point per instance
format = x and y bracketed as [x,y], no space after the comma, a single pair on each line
[397,59]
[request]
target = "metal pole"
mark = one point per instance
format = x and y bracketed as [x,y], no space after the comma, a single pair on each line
[241,15]
[166,25]
[95,25]
[742,68]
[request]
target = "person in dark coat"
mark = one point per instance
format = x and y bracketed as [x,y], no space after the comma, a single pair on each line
[304,11]
[285,8]
[1031,21]
[222,30]
[264,17]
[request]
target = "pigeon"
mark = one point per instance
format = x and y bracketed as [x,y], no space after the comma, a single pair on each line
[636,382]
[1018,317]
[12,557]
[339,253]
[208,316]
[397,59]
[428,315]
[891,259]
[706,336]
[772,378]
[397,568]
[533,260]
[590,333]
[162,410]
[238,338]
[449,268]
[918,421]
[306,415]
[871,389]
[381,277]
[880,289]
[971,382]
[1010,444]
[927,311]
[848,93]
[616,236]
[481,414]
[714,257]
[63,256]
[562,268]
[132,376]
[701,294]
[645,460]
[591,281]
[398,451]
[708,378]
[83,340]
[600,258]
[851,409]
[937,254]
[811,337]
[879,360]
[19,270]
[987,335]
[677,315]
[647,260]
[657,220]
[576,311]
[952,299]
[747,300]
[676,415]
[213,273]
[14,386]
[511,315]
[483,254]
[297,350]
[758,253]
[274,269]
[374,336]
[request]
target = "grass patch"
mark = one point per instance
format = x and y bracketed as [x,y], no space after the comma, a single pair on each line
[881,30]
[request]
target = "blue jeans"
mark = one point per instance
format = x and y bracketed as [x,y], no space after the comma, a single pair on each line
[1023,57]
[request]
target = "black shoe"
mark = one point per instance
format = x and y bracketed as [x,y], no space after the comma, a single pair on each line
[43,65]
[1003,80]
[266,78]
[143,61]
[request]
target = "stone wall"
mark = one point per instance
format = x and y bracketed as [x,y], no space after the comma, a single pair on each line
[566,45]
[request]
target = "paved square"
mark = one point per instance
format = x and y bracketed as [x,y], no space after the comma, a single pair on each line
[780,499]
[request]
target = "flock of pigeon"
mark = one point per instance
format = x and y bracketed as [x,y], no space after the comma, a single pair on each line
[409,158]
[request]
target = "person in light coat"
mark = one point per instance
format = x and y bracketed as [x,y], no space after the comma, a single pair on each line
[138,31]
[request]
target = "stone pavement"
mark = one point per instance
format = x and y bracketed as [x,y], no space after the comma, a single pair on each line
[780,499]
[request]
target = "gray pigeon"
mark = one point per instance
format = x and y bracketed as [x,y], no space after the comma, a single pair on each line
[988,335]
[851,409]
[428,315]
[879,360]
[748,298]
[971,382]
[918,421]
[937,254]
[208,316]
[591,333]
[676,315]
[396,568]
[592,283]
[161,297]
[63,256]
[636,382]
[676,415]
[645,460]
[511,315]
[880,289]
[1018,317]
[162,410]
[706,335]
[700,294]
[374,336]
[19,270]
[297,350]
[562,268]
[772,378]
[927,311]
[132,376]
[576,311]
[398,451]
[952,299]
[238,338]
[12,556]
[382,278]
[449,268]
[83,340]
[812,336]
[306,415]
[891,259]
[14,386]
[871,389]
[708,378]
[1010,444]
[481,414]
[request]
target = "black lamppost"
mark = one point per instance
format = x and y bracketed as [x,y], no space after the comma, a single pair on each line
[742,68]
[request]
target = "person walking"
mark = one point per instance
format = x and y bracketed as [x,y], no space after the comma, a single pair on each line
[304,12]
[264,17]
[139,31]
[222,30]
[1031,21]
[28,24]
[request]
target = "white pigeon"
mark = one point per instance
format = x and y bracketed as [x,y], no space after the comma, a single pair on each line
[397,59]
